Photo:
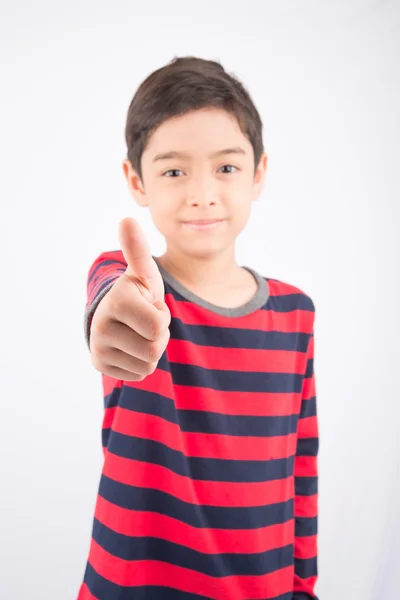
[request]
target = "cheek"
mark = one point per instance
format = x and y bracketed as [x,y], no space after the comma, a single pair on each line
[240,214]
[164,216]
[240,206]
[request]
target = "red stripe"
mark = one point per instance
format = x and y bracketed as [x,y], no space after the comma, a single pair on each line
[109,416]
[281,288]
[204,445]
[311,347]
[256,404]
[237,359]
[208,541]
[153,572]
[309,387]
[305,547]
[304,585]
[305,466]
[208,493]
[85,594]
[306,506]
[308,427]
[223,402]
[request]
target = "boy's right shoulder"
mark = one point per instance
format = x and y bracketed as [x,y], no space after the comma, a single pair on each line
[108,257]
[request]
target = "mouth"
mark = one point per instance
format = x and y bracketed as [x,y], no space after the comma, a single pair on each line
[203,224]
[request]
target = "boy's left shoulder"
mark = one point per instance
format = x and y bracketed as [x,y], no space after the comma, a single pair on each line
[280,288]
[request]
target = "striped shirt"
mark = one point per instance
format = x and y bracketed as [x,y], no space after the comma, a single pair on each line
[209,482]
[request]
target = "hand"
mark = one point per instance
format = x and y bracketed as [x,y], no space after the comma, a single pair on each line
[130,327]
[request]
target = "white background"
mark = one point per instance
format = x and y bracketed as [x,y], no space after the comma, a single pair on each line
[325,78]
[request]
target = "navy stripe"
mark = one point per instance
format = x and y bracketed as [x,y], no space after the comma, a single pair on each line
[310,368]
[308,407]
[211,469]
[204,517]
[105,435]
[238,425]
[305,526]
[307,446]
[306,567]
[151,403]
[113,399]
[228,337]
[290,302]
[305,486]
[235,381]
[103,589]
[214,565]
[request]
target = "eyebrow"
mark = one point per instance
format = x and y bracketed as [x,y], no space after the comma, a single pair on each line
[174,154]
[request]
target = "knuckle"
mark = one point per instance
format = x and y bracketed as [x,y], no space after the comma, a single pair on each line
[157,328]
[155,350]
[151,367]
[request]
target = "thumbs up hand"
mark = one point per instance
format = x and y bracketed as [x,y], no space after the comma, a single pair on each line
[130,327]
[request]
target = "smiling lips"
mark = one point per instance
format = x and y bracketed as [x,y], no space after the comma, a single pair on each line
[203,224]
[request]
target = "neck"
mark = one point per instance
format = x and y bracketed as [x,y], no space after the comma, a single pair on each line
[201,271]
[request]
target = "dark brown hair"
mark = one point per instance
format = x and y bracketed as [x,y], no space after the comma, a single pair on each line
[185,84]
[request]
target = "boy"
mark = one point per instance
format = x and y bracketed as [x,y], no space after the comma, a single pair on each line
[210,436]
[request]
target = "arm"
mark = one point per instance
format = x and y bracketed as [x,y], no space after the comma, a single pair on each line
[306,486]
[105,270]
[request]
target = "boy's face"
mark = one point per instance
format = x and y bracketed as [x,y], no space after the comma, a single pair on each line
[198,185]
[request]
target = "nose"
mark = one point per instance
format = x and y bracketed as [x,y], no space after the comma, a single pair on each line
[202,192]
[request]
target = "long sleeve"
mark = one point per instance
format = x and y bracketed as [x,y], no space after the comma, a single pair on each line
[306,486]
[105,270]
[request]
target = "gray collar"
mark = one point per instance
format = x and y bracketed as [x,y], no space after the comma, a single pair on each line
[258,301]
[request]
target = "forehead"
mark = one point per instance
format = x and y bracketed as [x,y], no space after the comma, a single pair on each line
[203,131]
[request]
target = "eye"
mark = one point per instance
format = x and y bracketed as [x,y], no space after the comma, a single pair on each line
[223,167]
[172,171]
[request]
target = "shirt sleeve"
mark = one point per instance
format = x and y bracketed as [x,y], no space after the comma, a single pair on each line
[103,273]
[306,485]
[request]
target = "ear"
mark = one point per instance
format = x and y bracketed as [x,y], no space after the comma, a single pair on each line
[259,176]
[135,184]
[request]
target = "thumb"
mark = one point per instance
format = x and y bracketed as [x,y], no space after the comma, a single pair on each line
[141,267]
